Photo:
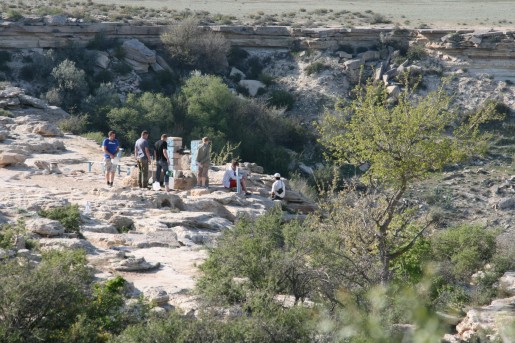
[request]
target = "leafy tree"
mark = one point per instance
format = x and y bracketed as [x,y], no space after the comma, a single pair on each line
[148,111]
[71,86]
[402,143]
[196,47]
[99,104]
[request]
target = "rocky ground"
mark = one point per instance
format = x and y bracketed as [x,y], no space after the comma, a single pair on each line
[153,239]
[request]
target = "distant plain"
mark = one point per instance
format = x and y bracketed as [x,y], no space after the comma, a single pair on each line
[496,14]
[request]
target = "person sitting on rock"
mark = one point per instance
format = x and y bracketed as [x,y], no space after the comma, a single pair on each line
[278,188]
[231,176]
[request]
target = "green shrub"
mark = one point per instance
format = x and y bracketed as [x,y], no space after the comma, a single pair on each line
[254,67]
[466,248]
[70,86]
[416,52]
[281,99]
[121,68]
[38,302]
[315,68]
[96,136]
[68,216]
[28,72]
[237,56]
[103,76]
[379,19]
[5,56]
[267,79]
[195,47]
[13,14]
[101,42]
[74,124]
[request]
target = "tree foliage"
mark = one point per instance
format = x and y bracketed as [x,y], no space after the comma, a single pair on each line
[196,47]
[148,111]
[401,143]
[71,85]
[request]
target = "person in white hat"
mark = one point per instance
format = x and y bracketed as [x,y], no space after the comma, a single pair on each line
[278,188]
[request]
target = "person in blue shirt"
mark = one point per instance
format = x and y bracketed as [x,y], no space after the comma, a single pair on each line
[110,146]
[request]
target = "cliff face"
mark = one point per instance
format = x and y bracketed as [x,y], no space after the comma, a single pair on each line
[490,52]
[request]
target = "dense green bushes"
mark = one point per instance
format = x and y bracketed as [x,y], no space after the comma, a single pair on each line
[56,300]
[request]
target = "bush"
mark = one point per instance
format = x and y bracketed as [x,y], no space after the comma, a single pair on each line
[28,72]
[237,56]
[267,80]
[416,52]
[315,68]
[465,248]
[68,216]
[40,302]
[281,99]
[121,68]
[254,67]
[74,124]
[13,15]
[71,86]
[192,46]
[96,136]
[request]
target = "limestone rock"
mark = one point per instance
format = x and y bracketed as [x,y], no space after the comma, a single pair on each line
[47,129]
[507,283]
[55,20]
[198,192]
[66,243]
[31,101]
[3,135]
[134,265]
[370,55]
[393,91]
[10,158]
[156,295]
[343,54]
[42,165]
[353,64]
[236,71]
[45,227]
[102,59]
[208,205]
[137,51]
[253,86]
[137,66]
[121,222]
[506,204]
[188,236]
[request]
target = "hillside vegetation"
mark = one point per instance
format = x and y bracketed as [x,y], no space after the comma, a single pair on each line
[403,238]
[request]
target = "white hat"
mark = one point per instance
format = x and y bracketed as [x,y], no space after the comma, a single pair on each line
[277,175]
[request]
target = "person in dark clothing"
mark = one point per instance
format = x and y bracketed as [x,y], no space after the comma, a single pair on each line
[161,157]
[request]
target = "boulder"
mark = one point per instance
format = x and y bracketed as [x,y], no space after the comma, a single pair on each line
[370,55]
[208,205]
[393,91]
[45,227]
[353,64]
[134,265]
[10,158]
[156,295]
[161,61]
[102,59]
[236,71]
[137,51]
[3,135]
[506,204]
[42,165]
[47,129]
[253,86]
[31,101]
[121,222]
[137,66]
[55,20]
[9,102]
[66,243]
[343,54]
[507,283]
[189,237]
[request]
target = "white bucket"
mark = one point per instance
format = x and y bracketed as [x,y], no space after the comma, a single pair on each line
[156,186]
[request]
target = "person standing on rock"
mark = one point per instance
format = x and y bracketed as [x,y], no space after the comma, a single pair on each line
[203,162]
[161,158]
[142,155]
[110,147]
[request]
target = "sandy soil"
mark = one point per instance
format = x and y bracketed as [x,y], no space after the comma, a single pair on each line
[411,13]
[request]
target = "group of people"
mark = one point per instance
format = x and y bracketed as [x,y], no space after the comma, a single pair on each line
[231,178]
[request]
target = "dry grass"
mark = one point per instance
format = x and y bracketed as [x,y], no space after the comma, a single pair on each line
[347,13]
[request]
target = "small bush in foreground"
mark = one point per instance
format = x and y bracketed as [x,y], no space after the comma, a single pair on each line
[67,215]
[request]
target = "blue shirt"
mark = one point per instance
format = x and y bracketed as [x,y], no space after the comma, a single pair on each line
[111,146]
